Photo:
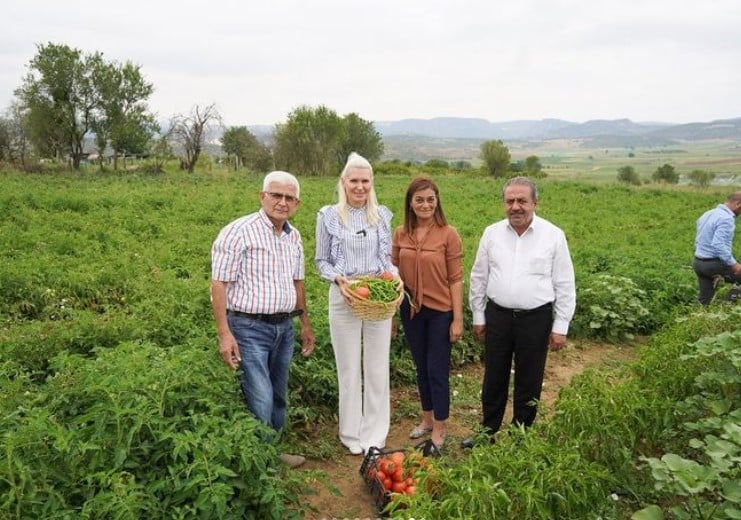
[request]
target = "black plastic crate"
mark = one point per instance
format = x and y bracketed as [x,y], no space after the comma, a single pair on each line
[368,472]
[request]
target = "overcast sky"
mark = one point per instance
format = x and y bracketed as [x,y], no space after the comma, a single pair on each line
[674,61]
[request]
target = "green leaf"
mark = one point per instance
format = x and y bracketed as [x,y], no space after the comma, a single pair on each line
[652,512]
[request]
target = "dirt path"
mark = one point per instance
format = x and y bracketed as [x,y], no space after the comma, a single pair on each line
[355,502]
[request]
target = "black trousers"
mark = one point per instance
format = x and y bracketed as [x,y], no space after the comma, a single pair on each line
[522,338]
[705,271]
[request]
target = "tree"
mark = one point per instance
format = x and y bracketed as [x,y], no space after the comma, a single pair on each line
[190,132]
[533,165]
[60,96]
[13,137]
[701,177]
[360,136]
[438,164]
[628,175]
[496,157]
[317,141]
[666,173]
[309,142]
[246,148]
[159,151]
[131,126]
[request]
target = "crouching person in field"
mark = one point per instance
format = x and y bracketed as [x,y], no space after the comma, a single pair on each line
[257,288]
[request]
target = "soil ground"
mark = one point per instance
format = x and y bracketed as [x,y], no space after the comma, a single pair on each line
[351,499]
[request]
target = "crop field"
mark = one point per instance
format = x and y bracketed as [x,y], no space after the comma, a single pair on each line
[115,404]
[587,160]
[570,159]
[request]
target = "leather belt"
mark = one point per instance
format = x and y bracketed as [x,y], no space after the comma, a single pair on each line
[518,313]
[278,317]
[707,259]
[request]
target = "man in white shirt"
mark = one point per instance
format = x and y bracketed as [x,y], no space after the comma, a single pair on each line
[522,296]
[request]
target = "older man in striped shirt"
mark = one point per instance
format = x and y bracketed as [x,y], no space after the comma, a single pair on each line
[257,287]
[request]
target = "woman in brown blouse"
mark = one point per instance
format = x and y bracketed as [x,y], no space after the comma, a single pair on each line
[429,256]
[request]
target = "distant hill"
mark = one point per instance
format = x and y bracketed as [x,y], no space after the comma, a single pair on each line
[544,129]
[467,128]
[459,138]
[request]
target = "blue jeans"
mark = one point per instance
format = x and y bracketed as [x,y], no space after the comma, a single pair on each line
[266,351]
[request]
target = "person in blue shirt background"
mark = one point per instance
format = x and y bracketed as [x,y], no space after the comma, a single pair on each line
[714,261]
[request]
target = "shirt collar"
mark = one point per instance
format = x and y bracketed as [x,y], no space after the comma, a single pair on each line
[727,210]
[265,220]
[529,228]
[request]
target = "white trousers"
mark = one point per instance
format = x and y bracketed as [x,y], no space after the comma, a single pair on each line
[361,352]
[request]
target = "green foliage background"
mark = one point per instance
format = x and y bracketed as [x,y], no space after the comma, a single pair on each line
[114,400]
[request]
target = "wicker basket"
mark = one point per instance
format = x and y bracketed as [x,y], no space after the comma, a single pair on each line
[374,310]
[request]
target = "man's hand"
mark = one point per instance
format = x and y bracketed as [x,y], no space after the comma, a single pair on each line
[479,332]
[229,350]
[557,341]
[736,269]
[308,342]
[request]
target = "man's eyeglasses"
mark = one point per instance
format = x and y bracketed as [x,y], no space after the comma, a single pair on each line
[277,197]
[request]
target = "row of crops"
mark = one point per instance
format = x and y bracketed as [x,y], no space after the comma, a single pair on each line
[115,403]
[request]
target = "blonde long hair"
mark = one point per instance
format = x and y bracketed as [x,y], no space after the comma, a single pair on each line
[357,162]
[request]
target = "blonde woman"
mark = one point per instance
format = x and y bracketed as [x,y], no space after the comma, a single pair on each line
[353,239]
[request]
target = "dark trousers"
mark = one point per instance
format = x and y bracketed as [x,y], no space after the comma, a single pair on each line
[428,335]
[705,271]
[523,339]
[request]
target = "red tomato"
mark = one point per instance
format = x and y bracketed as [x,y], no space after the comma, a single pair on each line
[411,490]
[398,475]
[397,458]
[399,487]
[362,292]
[387,276]
[381,475]
[387,484]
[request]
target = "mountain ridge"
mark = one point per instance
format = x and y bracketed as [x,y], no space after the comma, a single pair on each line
[624,130]
[545,129]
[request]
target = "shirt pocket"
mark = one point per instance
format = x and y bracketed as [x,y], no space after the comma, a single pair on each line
[540,265]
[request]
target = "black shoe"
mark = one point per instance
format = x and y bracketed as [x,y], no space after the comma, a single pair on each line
[470,442]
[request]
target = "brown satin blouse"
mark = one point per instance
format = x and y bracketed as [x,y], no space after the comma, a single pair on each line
[429,267]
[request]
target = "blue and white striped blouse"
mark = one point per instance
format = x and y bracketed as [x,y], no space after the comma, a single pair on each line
[353,250]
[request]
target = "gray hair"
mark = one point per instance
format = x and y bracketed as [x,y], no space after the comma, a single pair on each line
[356,161]
[522,181]
[281,177]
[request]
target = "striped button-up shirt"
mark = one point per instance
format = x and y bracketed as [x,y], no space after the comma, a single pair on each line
[353,250]
[259,265]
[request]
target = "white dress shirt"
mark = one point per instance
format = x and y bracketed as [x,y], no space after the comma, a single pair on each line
[524,272]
